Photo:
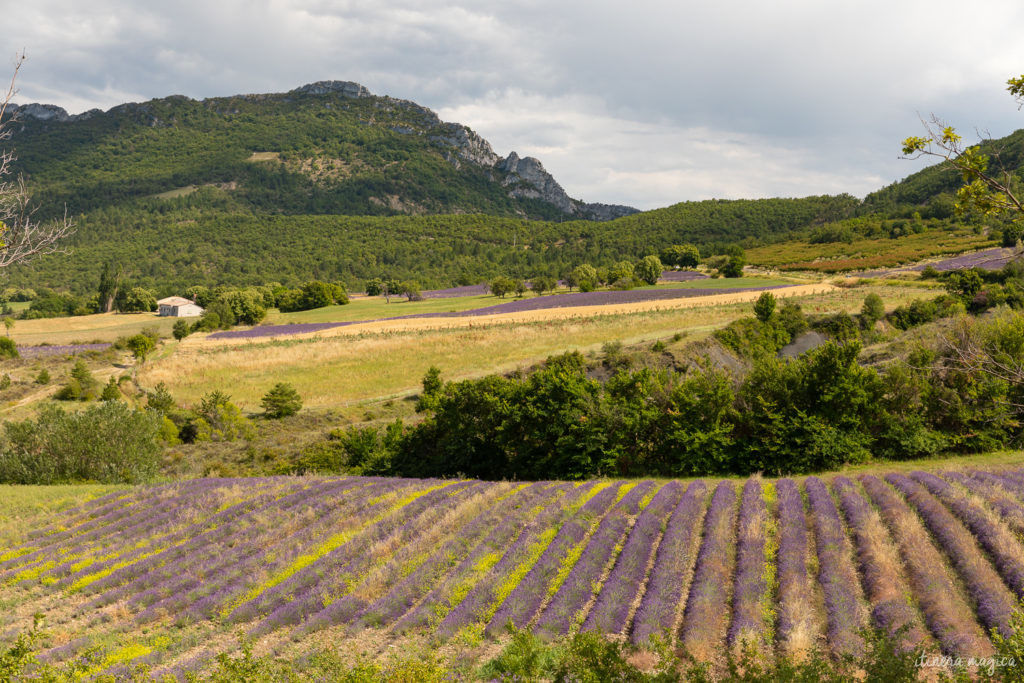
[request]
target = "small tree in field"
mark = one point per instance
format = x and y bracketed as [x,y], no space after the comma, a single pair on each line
[764,307]
[281,401]
[140,345]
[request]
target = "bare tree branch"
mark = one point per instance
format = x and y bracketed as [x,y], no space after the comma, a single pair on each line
[22,236]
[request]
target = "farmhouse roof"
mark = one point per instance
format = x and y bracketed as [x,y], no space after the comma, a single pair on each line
[174,301]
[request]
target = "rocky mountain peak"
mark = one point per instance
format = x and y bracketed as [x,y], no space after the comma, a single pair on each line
[345,88]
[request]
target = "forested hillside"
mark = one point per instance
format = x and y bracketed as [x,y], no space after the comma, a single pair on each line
[207,238]
[331,182]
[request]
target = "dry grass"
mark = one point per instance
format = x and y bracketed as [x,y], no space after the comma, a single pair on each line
[101,327]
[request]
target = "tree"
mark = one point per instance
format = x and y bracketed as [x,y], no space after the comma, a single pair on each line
[583,276]
[111,392]
[519,287]
[649,269]
[764,307]
[680,256]
[872,310]
[22,236]
[135,300]
[181,329]
[110,282]
[410,289]
[140,345]
[501,285]
[281,401]
[374,287]
[987,191]
[543,283]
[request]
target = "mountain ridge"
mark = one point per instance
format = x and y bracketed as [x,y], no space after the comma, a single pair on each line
[521,177]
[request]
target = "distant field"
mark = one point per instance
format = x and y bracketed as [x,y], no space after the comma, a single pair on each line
[102,327]
[866,254]
[174,574]
[383,360]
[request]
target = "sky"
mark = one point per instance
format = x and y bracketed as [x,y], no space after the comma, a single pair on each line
[645,103]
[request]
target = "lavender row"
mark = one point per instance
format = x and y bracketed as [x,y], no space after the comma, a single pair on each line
[993,601]
[659,608]
[1002,501]
[205,545]
[796,628]
[995,538]
[880,569]
[218,572]
[338,575]
[612,608]
[707,607]
[398,594]
[947,614]
[331,571]
[439,601]
[474,606]
[838,578]
[526,598]
[748,619]
[579,585]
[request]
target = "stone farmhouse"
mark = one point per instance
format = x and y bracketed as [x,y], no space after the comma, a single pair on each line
[178,307]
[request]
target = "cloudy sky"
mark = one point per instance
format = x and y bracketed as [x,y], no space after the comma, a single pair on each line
[647,102]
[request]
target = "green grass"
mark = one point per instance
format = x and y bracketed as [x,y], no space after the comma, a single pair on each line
[24,506]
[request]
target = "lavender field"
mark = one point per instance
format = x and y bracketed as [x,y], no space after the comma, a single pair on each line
[169,575]
[566,300]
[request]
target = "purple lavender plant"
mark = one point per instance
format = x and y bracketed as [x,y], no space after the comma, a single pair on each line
[838,578]
[611,611]
[748,619]
[660,606]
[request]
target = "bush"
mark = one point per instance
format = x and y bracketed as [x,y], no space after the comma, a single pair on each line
[108,443]
[8,348]
[140,345]
[181,329]
[764,307]
[281,401]
[111,392]
[82,386]
[43,377]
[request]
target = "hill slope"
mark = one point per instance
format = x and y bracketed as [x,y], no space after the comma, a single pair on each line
[327,147]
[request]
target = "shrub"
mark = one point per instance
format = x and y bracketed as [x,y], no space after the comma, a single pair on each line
[764,307]
[181,329]
[81,386]
[43,377]
[7,348]
[111,392]
[5,382]
[160,399]
[872,310]
[281,401]
[140,345]
[107,443]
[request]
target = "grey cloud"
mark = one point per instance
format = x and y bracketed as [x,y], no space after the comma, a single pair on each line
[791,97]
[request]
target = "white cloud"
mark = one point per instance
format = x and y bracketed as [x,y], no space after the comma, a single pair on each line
[648,103]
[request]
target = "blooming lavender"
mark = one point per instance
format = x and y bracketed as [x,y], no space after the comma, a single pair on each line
[707,606]
[612,608]
[880,568]
[748,619]
[474,607]
[579,585]
[526,598]
[1008,506]
[402,592]
[795,622]
[994,603]
[659,609]
[946,612]
[843,597]
[570,300]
